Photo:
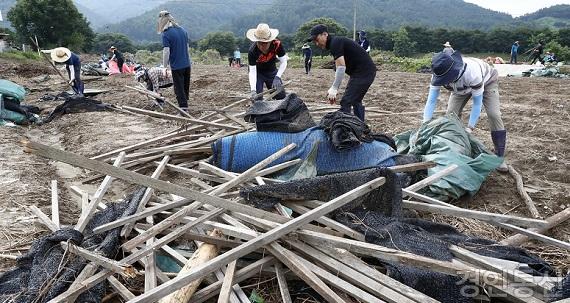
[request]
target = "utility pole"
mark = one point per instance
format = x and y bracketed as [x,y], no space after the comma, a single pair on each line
[354,21]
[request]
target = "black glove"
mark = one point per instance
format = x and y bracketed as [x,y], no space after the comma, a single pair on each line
[277,83]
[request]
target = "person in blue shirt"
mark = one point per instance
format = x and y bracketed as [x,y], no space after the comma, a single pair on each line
[237,57]
[73,66]
[308,55]
[514,52]
[175,55]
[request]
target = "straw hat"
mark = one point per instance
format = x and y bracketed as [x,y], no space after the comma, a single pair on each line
[262,33]
[60,54]
[447,44]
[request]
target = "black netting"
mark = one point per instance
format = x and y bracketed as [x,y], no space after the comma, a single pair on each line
[324,188]
[432,240]
[289,115]
[77,104]
[561,290]
[47,270]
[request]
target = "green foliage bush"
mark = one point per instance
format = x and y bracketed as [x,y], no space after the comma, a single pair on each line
[104,41]
[19,55]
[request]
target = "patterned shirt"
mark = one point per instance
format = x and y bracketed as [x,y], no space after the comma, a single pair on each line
[155,79]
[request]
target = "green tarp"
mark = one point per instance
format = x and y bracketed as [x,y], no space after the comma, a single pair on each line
[445,142]
[12,91]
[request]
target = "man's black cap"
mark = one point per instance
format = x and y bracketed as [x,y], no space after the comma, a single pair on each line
[317,30]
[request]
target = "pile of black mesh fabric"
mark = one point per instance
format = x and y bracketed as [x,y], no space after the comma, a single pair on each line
[59,97]
[47,270]
[561,290]
[347,131]
[325,188]
[289,115]
[77,104]
[379,216]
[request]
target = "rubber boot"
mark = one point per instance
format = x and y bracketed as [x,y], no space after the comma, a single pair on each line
[359,111]
[499,138]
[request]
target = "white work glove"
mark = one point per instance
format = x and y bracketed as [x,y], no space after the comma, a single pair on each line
[468,130]
[331,95]
[70,82]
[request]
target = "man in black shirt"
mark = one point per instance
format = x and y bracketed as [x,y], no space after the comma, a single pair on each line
[118,56]
[537,53]
[351,59]
[264,52]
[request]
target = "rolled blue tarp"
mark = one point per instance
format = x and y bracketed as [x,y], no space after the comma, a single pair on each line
[240,152]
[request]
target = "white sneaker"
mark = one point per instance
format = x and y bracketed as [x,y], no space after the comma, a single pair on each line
[503,168]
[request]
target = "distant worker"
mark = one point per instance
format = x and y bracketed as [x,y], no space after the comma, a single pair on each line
[466,78]
[155,78]
[514,52]
[447,48]
[237,57]
[363,41]
[72,65]
[550,58]
[175,55]
[537,53]
[262,56]
[351,59]
[117,57]
[308,56]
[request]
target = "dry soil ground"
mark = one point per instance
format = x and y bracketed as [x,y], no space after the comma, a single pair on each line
[536,112]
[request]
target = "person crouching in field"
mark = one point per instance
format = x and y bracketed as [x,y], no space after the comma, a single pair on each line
[154,78]
[468,78]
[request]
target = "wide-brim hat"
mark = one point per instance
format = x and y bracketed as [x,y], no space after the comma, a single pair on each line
[446,68]
[262,33]
[446,44]
[60,54]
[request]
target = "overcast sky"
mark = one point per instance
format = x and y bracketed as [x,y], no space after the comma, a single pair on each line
[517,7]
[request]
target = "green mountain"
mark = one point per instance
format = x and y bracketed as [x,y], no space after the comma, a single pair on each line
[557,16]
[198,18]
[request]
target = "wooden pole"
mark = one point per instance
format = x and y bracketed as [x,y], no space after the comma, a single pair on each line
[553,221]
[54,204]
[520,188]
[203,254]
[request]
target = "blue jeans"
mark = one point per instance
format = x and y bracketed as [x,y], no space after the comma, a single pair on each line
[267,79]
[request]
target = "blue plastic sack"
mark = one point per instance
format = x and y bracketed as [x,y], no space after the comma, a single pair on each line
[240,152]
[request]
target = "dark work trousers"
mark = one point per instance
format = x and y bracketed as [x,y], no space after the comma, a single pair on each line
[513,58]
[354,93]
[267,79]
[78,86]
[308,63]
[536,56]
[120,62]
[181,81]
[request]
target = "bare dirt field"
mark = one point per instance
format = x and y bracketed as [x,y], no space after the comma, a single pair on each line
[536,112]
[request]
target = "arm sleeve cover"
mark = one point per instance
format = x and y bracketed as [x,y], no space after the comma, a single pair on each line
[431,103]
[282,65]
[165,56]
[338,76]
[475,110]
[71,72]
[252,77]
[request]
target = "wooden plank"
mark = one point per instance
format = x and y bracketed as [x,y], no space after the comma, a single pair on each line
[412,167]
[301,269]
[241,275]
[202,255]
[345,230]
[227,283]
[353,261]
[118,267]
[180,118]
[520,189]
[45,220]
[400,257]
[124,292]
[132,177]
[259,241]
[433,178]
[138,216]
[351,275]
[553,221]
[147,194]
[54,204]
[473,214]
[282,281]
[97,197]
